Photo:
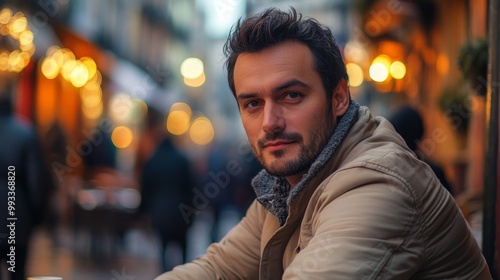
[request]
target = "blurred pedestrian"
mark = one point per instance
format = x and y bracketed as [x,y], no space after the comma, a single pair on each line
[341,196]
[101,161]
[56,142]
[167,182]
[22,179]
[409,124]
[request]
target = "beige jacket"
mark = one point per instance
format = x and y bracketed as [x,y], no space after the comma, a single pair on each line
[373,212]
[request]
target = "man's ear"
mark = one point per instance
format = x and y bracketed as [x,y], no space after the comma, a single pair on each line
[340,98]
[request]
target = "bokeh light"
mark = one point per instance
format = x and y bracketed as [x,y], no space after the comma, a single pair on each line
[120,107]
[122,137]
[90,65]
[379,72]
[25,38]
[178,122]
[4,61]
[5,15]
[397,70]
[196,82]
[382,59]
[355,52]
[355,74]
[93,112]
[192,68]
[67,69]
[16,26]
[181,106]
[50,68]
[91,96]
[80,75]
[202,131]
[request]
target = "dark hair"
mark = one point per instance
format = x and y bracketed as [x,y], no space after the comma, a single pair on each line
[272,27]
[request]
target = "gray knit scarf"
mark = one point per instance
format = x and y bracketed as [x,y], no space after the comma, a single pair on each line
[276,194]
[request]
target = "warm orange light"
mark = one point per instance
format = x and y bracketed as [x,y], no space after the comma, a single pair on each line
[26,38]
[50,68]
[90,65]
[67,69]
[178,122]
[5,15]
[383,59]
[91,96]
[202,131]
[93,112]
[442,64]
[4,61]
[16,61]
[79,75]
[196,82]
[397,70]
[16,26]
[96,79]
[379,72]
[355,74]
[122,137]
[181,106]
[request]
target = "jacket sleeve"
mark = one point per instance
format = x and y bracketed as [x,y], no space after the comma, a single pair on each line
[236,256]
[361,232]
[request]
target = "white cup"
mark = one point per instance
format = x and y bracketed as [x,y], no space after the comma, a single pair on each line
[44,278]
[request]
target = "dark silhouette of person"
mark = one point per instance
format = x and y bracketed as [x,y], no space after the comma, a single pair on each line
[166,182]
[55,151]
[409,124]
[102,158]
[22,179]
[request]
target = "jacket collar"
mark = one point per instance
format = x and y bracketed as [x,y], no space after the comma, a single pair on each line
[276,194]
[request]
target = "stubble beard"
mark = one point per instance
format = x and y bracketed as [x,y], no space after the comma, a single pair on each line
[307,154]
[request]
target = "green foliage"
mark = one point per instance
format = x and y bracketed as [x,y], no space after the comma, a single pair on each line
[456,107]
[473,63]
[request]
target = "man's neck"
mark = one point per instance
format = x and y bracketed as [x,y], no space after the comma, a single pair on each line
[293,180]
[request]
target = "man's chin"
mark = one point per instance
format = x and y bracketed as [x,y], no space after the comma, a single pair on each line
[280,169]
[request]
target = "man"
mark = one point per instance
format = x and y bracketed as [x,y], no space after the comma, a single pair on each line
[23,182]
[166,182]
[340,196]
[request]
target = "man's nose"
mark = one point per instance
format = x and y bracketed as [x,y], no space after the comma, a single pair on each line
[273,119]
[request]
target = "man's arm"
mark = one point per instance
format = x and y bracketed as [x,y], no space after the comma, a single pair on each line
[359,234]
[236,256]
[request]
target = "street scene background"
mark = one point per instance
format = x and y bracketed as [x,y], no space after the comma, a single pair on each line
[131,115]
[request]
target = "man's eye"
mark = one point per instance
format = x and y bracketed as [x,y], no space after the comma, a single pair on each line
[251,104]
[293,95]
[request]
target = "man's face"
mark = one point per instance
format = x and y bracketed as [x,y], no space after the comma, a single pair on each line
[284,108]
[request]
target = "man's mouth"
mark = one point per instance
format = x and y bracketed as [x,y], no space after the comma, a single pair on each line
[278,142]
[276,145]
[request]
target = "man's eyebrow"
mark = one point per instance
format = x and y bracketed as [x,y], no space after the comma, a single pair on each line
[291,83]
[242,96]
[288,84]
